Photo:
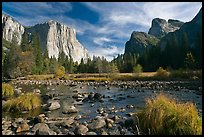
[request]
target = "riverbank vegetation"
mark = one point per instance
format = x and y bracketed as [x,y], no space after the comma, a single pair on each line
[25,102]
[7,90]
[161,74]
[29,59]
[164,116]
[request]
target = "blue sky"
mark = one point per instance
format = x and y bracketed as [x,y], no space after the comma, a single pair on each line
[102,27]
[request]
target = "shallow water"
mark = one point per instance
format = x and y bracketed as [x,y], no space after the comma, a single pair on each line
[117,97]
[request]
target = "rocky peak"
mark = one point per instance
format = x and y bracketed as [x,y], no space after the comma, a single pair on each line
[54,36]
[161,27]
[175,23]
[139,42]
[11,29]
[57,37]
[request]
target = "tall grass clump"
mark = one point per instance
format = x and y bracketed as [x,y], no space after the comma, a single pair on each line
[137,69]
[24,102]
[162,73]
[60,72]
[7,90]
[163,116]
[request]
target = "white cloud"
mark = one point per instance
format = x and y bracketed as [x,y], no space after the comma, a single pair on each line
[107,52]
[138,13]
[116,22]
[30,13]
[101,40]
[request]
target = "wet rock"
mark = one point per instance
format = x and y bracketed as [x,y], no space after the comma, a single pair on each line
[122,109]
[104,133]
[109,125]
[129,114]
[19,120]
[97,124]
[40,118]
[53,105]
[23,127]
[108,120]
[98,96]
[70,133]
[37,91]
[7,132]
[54,128]
[77,117]
[91,133]
[129,106]
[42,129]
[69,109]
[17,91]
[81,130]
[115,118]
[67,122]
[94,88]
[104,114]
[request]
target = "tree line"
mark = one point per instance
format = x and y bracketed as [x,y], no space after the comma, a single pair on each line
[29,58]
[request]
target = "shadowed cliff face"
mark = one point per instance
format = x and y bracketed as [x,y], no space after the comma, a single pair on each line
[192,29]
[140,42]
[53,36]
[162,31]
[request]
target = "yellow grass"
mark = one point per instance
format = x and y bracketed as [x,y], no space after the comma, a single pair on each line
[164,116]
[24,102]
[7,90]
[160,74]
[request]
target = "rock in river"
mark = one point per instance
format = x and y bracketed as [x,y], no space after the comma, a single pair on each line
[97,124]
[69,109]
[42,129]
[23,127]
[81,130]
[53,105]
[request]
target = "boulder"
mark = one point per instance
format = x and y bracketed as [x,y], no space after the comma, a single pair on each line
[97,124]
[36,91]
[53,105]
[81,130]
[69,109]
[23,127]
[42,129]
[91,133]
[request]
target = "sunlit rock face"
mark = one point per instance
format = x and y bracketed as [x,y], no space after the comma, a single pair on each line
[161,27]
[58,38]
[12,31]
[53,36]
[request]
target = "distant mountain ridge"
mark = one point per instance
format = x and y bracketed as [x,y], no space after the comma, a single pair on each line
[162,31]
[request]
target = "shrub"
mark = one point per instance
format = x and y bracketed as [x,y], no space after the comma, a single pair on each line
[60,72]
[137,69]
[186,74]
[162,72]
[24,102]
[7,90]
[163,116]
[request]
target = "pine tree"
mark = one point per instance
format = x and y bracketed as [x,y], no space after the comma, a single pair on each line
[190,61]
[46,62]
[61,58]
[38,52]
